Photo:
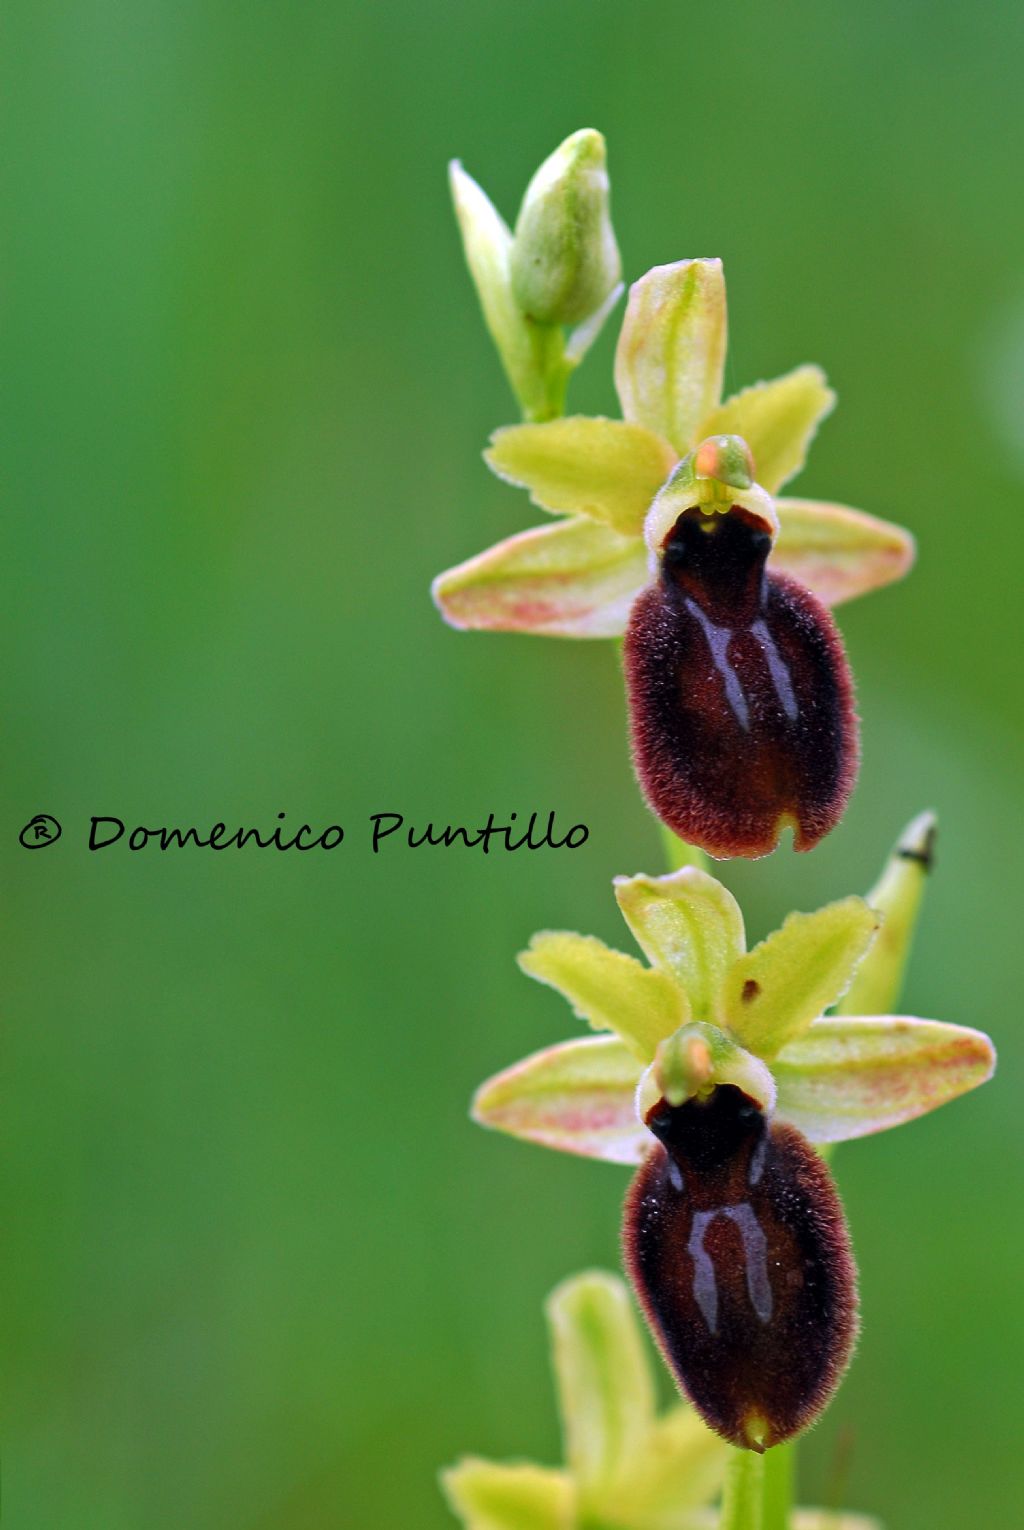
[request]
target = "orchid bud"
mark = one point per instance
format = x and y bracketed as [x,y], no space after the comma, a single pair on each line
[738,1248]
[741,701]
[564,259]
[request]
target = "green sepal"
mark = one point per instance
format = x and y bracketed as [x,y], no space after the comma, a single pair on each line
[688,925]
[851,1076]
[576,1097]
[671,351]
[837,552]
[572,579]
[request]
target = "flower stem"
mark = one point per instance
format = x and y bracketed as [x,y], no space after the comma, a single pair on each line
[779,1466]
[681,854]
[742,1498]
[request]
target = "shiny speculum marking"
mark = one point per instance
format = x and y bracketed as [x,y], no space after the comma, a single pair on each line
[741,702]
[736,1242]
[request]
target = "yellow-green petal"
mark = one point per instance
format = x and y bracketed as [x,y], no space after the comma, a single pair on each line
[575,579]
[689,926]
[851,1076]
[604,1382]
[772,994]
[778,421]
[897,896]
[671,351]
[678,1469]
[608,989]
[606,469]
[577,1097]
[492,1495]
[837,552]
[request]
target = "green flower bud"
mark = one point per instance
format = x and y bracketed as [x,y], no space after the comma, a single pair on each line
[565,261]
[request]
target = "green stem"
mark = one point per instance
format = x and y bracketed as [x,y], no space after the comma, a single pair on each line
[779,1471]
[742,1498]
[681,854]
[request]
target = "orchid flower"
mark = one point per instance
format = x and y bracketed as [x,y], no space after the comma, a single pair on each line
[728,1058]
[579,575]
[741,702]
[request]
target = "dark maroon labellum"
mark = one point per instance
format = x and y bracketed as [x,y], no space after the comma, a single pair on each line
[737,1245]
[741,701]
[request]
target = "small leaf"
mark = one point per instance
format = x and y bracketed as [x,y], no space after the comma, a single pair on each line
[897,895]
[778,421]
[837,552]
[530,353]
[671,352]
[490,1495]
[850,1077]
[605,1388]
[580,466]
[574,579]
[689,926]
[611,991]
[577,1097]
[773,993]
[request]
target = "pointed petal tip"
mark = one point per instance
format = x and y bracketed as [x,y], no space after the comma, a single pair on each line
[917,842]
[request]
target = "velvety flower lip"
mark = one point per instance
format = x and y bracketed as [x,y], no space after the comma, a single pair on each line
[579,575]
[740,695]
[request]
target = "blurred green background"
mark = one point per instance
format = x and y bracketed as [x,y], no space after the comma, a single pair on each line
[260,1269]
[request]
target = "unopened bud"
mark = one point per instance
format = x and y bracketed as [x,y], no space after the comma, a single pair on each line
[565,261]
[897,897]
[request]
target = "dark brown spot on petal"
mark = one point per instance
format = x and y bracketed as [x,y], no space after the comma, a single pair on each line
[750,990]
[741,701]
[736,1242]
